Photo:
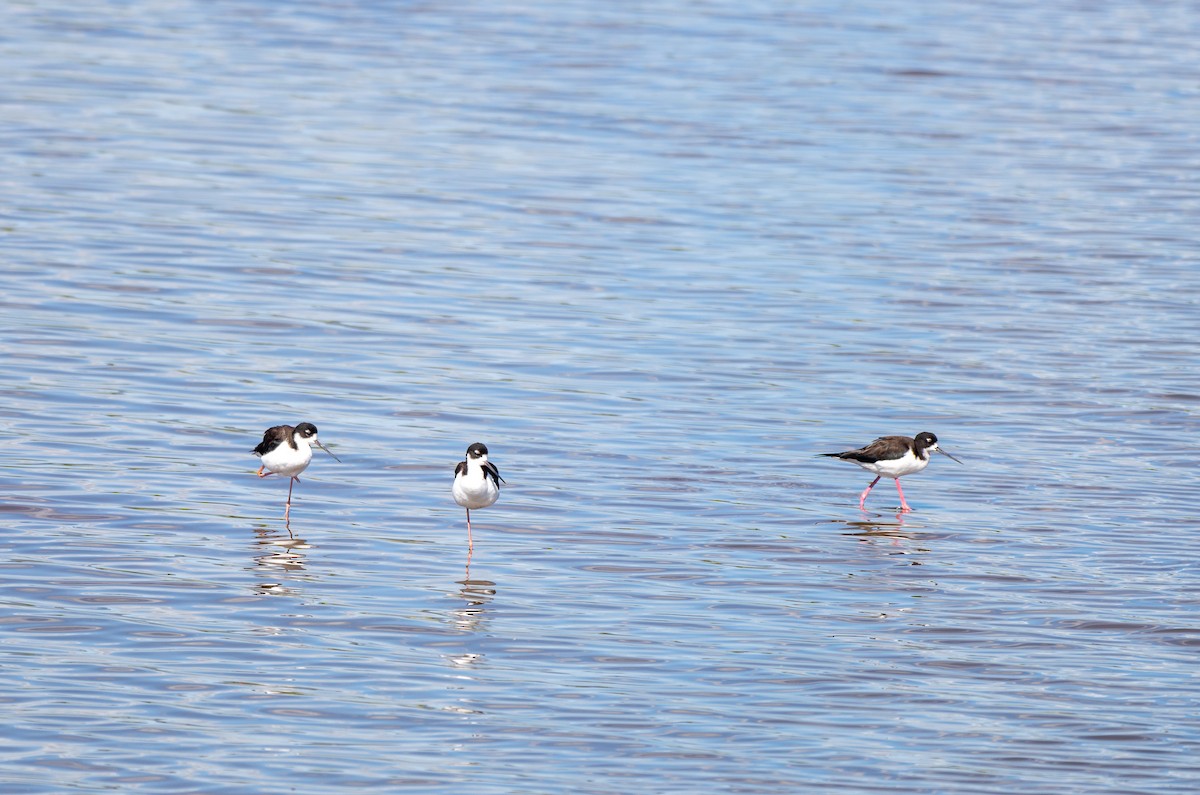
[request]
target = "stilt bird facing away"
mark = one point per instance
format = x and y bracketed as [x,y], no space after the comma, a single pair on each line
[476,484]
[286,451]
[893,457]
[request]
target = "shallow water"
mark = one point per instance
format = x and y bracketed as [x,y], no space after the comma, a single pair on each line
[657,259]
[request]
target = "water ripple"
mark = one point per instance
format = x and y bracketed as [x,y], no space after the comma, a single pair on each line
[657,258]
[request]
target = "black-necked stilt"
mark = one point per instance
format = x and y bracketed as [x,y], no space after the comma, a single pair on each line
[286,451]
[476,484]
[893,457]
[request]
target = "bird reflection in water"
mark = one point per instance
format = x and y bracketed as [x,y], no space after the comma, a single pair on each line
[870,531]
[477,594]
[275,553]
[878,527]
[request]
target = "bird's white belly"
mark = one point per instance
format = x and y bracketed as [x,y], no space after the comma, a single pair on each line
[283,460]
[896,467]
[472,493]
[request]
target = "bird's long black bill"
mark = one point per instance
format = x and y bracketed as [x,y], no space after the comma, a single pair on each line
[326,449]
[943,452]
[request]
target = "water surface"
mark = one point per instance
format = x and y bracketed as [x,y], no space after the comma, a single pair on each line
[657,259]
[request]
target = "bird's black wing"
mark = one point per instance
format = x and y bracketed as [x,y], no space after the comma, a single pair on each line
[460,468]
[883,448]
[273,438]
[490,470]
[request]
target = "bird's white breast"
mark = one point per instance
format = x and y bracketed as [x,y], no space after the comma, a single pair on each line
[896,467]
[287,461]
[474,489]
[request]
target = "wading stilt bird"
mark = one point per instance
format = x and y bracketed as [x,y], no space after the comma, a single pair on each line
[893,457]
[476,484]
[286,451]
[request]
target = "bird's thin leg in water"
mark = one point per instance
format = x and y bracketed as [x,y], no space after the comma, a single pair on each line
[862,498]
[287,509]
[903,505]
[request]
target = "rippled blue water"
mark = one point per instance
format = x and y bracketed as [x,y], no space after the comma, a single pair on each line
[657,257]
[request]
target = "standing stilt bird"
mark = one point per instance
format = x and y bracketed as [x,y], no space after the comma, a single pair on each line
[893,457]
[476,484]
[286,451]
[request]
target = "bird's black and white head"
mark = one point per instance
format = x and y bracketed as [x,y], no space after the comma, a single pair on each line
[925,443]
[305,430]
[306,433]
[477,452]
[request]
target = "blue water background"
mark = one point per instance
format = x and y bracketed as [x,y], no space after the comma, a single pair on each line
[656,256]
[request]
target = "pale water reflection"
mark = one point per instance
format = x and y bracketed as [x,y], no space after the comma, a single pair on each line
[274,551]
[477,595]
[659,257]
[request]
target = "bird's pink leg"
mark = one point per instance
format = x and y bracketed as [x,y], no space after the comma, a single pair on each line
[903,505]
[262,474]
[470,543]
[862,498]
[288,506]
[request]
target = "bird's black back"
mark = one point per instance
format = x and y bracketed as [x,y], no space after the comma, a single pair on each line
[885,448]
[273,437]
